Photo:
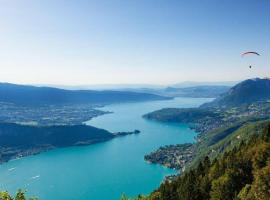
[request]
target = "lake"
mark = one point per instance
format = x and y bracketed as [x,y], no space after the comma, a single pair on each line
[103,171]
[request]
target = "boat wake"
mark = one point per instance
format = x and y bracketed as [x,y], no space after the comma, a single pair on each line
[35,177]
[11,169]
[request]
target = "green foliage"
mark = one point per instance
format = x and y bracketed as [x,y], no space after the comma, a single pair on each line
[140,197]
[124,197]
[260,189]
[222,188]
[5,196]
[20,195]
[243,173]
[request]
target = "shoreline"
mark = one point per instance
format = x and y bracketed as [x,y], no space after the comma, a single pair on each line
[175,157]
[18,153]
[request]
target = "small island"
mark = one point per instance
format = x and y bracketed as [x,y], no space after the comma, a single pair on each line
[136,131]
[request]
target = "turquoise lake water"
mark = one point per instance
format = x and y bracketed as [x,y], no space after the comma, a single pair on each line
[103,171]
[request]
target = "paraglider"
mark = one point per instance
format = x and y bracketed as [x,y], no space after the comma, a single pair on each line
[250,53]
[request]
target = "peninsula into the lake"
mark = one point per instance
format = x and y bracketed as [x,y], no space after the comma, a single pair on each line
[23,140]
[172,156]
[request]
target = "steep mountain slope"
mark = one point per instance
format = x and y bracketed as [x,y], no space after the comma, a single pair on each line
[246,92]
[30,95]
[242,173]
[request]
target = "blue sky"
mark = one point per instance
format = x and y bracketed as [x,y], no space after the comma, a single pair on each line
[132,41]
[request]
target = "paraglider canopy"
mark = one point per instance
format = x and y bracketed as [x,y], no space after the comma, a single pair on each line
[251,53]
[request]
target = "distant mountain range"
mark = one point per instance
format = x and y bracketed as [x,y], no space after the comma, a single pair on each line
[204,91]
[122,87]
[32,95]
[101,86]
[246,92]
[251,90]
[186,84]
[184,89]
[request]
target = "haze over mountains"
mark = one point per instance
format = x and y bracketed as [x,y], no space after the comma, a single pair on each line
[31,95]
[184,84]
[201,91]
[204,83]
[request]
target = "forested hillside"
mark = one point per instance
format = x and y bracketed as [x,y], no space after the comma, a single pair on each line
[242,173]
[21,140]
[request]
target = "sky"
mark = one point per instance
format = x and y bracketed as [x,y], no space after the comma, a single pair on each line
[77,42]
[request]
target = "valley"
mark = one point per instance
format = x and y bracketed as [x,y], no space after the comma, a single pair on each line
[178,137]
[134,100]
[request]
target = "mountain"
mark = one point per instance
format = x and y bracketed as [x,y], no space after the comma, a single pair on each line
[246,92]
[118,87]
[246,101]
[204,91]
[186,84]
[31,95]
